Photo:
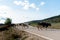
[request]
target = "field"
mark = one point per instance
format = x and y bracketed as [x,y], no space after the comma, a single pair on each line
[53,25]
[14,34]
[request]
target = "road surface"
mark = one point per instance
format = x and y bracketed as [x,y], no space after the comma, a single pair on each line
[52,34]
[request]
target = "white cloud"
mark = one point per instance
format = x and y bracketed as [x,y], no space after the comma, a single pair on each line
[25,4]
[42,3]
[15,15]
[2,21]
[37,9]
[26,7]
[7,12]
[17,2]
[4,9]
[32,5]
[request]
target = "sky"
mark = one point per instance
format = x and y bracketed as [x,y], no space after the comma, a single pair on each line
[28,10]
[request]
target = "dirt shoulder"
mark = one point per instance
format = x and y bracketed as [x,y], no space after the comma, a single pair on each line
[15,34]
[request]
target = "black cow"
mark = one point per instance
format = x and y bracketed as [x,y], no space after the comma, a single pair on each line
[43,25]
[23,25]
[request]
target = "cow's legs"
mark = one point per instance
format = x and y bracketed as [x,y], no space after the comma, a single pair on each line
[46,27]
[38,28]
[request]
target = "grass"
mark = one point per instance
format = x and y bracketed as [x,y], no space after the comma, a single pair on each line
[24,37]
[11,33]
[8,34]
[54,25]
[15,34]
[33,24]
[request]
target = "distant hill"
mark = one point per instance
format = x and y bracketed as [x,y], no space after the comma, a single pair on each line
[54,19]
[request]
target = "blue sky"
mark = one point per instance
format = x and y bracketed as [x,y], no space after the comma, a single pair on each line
[27,10]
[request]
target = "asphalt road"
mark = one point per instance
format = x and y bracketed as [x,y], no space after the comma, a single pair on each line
[53,34]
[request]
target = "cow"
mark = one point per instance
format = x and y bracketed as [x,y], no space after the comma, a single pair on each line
[24,25]
[43,25]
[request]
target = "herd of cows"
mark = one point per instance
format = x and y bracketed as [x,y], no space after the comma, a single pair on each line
[43,25]
[39,26]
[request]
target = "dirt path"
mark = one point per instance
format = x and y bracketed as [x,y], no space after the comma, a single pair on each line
[52,34]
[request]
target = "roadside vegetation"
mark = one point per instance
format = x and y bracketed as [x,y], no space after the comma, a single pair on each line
[55,22]
[53,25]
[12,33]
[7,32]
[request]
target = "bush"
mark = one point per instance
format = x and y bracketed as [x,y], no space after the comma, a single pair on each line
[8,21]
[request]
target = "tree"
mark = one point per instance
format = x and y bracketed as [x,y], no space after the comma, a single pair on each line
[8,21]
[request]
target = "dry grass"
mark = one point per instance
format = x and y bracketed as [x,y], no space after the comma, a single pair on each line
[11,34]
[15,34]
[55,25]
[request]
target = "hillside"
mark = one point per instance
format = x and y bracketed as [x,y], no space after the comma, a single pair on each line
[54,19]
[55,22]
